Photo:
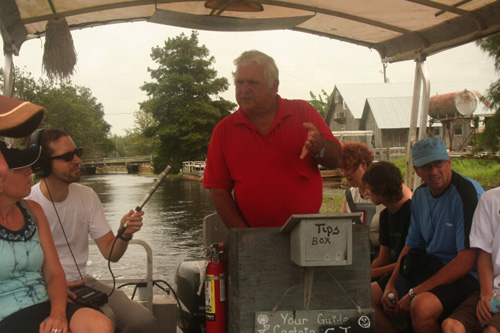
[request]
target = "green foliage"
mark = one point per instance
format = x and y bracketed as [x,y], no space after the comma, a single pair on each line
[484,171]
[332,201]
[70,108]
[138,141]
[489,139]
[183,102]
[320,104]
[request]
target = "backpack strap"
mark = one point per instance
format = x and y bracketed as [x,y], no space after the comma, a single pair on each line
[28,209]
[350,200]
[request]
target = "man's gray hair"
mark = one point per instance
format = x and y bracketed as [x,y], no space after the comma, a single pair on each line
[254,57]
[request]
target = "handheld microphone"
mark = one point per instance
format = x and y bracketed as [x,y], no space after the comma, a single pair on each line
[147,196]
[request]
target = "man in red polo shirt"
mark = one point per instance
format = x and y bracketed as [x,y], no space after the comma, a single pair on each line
[267,152]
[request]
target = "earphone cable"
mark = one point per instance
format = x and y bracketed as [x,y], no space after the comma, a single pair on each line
[62,228]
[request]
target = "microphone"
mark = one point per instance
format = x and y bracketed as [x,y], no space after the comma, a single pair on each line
[147,196]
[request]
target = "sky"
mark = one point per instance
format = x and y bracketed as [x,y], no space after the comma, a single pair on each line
[113,62]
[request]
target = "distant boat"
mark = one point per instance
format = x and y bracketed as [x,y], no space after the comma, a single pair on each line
[193,170]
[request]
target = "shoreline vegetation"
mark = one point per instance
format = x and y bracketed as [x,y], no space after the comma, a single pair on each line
[485,171]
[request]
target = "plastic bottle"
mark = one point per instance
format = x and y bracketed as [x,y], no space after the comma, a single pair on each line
[398,322]
[495,301]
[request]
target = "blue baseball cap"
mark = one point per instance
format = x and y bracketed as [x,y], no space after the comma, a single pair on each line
[428,150]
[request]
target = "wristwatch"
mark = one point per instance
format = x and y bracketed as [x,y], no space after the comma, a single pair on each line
[412,293]
[321,153]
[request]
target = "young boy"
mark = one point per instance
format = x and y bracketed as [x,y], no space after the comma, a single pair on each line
[383,182]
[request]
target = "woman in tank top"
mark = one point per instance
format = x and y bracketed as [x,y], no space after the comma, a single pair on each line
[32,281]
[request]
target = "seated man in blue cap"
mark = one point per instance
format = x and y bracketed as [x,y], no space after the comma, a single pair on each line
[436,269]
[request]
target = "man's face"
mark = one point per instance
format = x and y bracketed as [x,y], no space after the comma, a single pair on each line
[437,175]
[65,171]
[252,92]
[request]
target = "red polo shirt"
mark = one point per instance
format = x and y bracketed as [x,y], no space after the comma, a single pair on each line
[269,179]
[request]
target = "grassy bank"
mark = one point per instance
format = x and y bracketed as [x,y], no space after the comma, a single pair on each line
[485,172]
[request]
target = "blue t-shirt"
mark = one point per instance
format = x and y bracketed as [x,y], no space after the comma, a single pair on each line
[441,225]
[21,260]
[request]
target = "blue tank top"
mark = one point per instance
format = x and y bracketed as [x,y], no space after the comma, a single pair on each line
[21,260]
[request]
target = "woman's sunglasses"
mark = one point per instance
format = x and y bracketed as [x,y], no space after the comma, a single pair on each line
[69,156]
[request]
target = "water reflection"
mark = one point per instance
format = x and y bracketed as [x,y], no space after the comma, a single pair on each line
[172,224]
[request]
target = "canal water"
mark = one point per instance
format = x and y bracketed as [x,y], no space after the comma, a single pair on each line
[172,223]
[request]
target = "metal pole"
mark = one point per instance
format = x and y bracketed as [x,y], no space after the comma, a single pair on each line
[421,76]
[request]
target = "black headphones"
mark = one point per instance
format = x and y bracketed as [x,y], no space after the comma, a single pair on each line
[43,167]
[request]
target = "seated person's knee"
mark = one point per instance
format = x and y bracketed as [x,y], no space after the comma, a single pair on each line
[451,325]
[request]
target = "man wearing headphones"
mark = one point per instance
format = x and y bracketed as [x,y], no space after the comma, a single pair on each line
[75,212]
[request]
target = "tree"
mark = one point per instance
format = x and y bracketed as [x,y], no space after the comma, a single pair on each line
[138,141]
[489,139]
[320,104]
[183,101]
[70,108]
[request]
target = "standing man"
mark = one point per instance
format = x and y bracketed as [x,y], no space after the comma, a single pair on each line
[77,209]
[267,152]
[441,219]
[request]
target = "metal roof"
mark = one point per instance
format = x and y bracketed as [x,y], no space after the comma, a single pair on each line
[394,112]
[389,113]
[397,29]
[355,95]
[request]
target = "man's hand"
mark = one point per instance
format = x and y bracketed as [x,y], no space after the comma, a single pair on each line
[387,304]
[71,295]
[133,221]
[403,308]
[483,309]
[314,143]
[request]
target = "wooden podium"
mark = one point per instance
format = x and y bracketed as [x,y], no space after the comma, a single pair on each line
[267,292]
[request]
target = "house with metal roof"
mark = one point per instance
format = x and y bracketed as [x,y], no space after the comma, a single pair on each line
[388,118]
[385,109]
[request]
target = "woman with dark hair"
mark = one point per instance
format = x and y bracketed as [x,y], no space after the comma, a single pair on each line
[32,282]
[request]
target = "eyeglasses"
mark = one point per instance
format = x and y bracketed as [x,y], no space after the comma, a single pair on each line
[435,164]
[69,156]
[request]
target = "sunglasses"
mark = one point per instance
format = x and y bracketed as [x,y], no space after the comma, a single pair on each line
[69,156]
[435,165]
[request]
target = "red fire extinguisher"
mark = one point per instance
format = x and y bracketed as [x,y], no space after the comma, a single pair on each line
[215,290]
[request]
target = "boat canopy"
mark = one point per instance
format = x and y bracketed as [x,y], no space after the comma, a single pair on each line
[398,29]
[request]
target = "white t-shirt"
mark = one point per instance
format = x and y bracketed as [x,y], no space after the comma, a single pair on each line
[82,216]
[485,233]
[374,226]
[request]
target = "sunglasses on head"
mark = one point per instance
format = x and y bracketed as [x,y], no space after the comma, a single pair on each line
[69,156]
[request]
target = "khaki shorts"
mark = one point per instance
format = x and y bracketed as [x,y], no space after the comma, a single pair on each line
[466,314]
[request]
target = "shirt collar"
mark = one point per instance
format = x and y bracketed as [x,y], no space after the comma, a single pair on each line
[241,118]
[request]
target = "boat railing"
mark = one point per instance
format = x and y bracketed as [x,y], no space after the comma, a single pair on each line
[149,273]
